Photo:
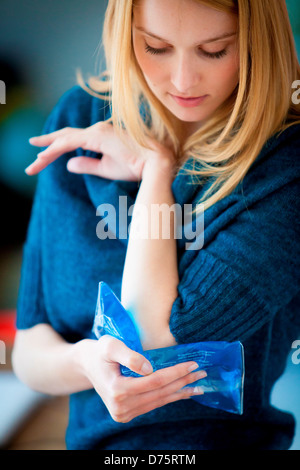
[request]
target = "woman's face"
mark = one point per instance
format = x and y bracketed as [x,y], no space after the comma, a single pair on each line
[188,54]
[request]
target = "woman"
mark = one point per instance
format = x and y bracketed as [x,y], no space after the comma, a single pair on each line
[199,95]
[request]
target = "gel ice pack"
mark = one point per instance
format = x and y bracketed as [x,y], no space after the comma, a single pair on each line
[222,361]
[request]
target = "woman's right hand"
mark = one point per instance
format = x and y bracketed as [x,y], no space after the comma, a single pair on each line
[129,397]
[122,158]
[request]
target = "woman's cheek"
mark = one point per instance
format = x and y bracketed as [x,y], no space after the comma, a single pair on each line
[152,71]
[227,78]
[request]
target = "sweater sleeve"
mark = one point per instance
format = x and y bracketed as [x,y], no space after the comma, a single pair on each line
[30,305]
[246,274]
[31,309]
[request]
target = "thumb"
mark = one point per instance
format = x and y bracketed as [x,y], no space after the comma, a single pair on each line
[104,168]
[86,165]
[138,363]
[118,352]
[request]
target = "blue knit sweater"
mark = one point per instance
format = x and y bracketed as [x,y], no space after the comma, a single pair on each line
[242,285]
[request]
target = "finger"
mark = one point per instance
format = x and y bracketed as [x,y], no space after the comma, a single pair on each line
[115,351]
[84,165]
[64,143]
[46,139]
[175,387]
[60,142]
[38,165]
[176,396]
[153,400]
[105,167]
[163,377]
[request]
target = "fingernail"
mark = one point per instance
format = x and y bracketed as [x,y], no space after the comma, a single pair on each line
[193,367]
[201,374]
[27,170]
[71,168]
[147,368]
[198,390]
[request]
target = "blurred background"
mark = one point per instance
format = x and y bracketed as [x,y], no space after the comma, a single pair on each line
[42,44]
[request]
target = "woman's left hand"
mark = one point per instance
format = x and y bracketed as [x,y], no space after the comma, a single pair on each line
[121,158]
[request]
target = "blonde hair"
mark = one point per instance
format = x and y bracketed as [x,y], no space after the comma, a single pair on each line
[229,142]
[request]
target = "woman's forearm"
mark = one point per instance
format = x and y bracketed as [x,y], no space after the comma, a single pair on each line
[45,362]
[150,277]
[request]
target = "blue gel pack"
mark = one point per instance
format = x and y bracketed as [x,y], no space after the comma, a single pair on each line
[222,361]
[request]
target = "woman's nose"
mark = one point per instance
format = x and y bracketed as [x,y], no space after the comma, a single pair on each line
[184,75]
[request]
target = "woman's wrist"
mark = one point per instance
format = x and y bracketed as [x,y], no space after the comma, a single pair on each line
[80,355]
[162,165]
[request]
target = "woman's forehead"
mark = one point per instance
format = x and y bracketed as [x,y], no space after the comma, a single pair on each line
[185,20]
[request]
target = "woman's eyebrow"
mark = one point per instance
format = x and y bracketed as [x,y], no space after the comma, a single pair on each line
[206,41]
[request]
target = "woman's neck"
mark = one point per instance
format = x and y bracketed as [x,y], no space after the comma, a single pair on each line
[185,129]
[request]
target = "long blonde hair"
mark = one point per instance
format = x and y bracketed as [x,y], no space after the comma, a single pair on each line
[230,141]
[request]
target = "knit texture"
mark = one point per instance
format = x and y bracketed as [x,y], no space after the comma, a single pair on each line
[243,284]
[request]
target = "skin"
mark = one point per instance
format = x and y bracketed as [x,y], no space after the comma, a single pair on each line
[41,358]
[184,62]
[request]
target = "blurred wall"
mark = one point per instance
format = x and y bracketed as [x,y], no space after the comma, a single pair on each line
[48,40]
[42,44]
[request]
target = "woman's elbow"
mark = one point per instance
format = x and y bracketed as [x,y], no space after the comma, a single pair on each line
[22,358]
[18,356]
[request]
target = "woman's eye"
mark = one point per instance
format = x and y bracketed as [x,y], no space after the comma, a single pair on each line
[214,55]
[210,55]
[152,50]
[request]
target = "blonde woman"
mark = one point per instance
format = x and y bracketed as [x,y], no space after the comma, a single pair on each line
[195,108]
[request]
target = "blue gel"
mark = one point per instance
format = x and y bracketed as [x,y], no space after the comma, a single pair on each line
[222,361]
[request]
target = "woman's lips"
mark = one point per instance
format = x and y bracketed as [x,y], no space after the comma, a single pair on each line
[189,102]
